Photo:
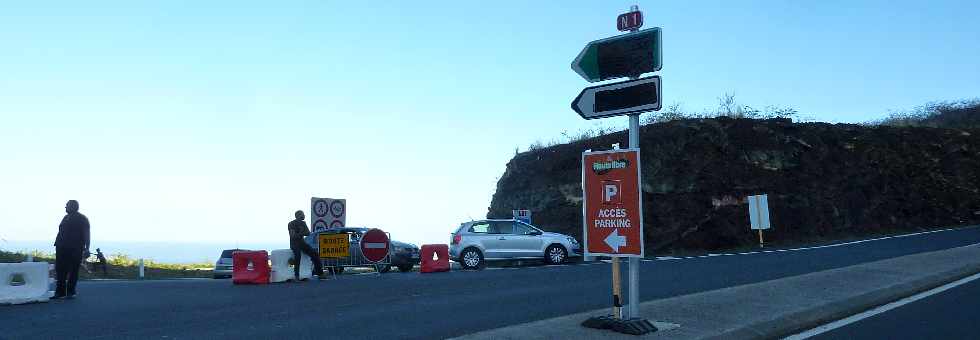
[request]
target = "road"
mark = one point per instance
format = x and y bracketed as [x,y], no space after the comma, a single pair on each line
[413,305]
[951,314]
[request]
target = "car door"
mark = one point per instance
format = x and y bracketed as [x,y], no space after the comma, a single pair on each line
[479,234]
[527,241]
[501,240]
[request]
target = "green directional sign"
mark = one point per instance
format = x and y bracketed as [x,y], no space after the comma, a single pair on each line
[627,55]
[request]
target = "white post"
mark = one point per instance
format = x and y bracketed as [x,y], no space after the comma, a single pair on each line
[633,307]
[30,258]
[141,269]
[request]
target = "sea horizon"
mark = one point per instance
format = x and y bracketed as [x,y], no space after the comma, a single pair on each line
[173,252]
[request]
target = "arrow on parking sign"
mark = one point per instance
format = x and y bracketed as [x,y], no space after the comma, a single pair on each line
[614,240]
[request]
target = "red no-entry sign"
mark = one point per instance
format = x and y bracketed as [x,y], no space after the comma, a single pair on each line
[612,209]
[374,245]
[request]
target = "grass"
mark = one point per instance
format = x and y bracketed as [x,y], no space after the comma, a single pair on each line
[121,266]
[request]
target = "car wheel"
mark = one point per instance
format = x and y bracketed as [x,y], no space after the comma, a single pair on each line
[471,258]
[337,270]
[405,268]
[384,268]
[555,254]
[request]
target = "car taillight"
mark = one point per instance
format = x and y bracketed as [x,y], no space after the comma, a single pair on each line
[457,238]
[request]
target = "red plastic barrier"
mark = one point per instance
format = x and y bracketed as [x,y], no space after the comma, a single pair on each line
[440,264]
[259,274]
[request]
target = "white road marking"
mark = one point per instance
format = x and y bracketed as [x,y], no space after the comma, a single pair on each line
[669,258]
[881,309]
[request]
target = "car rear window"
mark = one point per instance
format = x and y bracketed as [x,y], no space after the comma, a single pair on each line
[480,228]
[226,254]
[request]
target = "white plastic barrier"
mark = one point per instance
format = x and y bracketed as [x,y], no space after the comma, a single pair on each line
[34,288]
[281,271]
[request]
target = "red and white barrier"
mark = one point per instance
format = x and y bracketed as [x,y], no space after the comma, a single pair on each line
[282,271]
[250,267]
[37,280]
[435,258]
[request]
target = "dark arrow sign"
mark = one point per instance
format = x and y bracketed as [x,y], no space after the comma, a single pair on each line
[627,55]
[628,97]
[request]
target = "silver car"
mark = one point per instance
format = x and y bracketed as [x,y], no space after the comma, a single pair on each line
[476,242]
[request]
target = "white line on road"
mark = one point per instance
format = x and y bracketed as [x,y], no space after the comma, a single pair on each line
[881,309]
[671,258]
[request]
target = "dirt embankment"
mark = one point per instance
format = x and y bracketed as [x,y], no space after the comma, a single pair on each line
[824,181]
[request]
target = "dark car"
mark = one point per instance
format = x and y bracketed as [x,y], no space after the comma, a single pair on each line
[402,255]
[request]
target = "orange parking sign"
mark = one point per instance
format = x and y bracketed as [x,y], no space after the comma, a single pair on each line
[612,209]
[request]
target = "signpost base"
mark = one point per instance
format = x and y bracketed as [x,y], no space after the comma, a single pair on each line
[634,326]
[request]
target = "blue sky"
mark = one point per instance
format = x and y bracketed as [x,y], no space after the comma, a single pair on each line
[183,121]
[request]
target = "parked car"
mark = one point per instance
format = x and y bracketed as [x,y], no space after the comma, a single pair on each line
[223,267]
[476,242]
[401,255]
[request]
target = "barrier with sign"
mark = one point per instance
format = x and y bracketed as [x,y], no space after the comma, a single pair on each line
[435,258]
[351,258]
[334,245]
[250,267]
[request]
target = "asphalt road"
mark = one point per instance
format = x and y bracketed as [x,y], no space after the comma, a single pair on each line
[413,305]
[952,314]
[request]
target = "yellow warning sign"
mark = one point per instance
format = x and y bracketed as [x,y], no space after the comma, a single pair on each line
[334,245]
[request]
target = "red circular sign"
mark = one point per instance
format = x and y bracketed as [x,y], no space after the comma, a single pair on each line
[374,245]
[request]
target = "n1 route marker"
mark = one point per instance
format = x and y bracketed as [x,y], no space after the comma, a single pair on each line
[627,55]
[622,98]
[612,208]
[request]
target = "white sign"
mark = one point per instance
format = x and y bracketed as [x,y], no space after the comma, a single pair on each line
[759,212]
[328,213]
[522,215]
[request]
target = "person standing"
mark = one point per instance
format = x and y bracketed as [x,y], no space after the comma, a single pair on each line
[71,246]
[297,230]
[102,261]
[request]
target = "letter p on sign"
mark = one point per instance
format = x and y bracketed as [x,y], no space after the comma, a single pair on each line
[610,192]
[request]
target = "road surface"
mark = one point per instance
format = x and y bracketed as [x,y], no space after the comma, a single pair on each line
[951,314]
[413,305]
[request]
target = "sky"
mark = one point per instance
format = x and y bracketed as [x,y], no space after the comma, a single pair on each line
[189,121]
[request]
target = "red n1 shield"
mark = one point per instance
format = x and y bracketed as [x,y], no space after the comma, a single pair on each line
[374,245]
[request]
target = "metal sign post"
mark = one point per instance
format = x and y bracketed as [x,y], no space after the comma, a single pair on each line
[629,55]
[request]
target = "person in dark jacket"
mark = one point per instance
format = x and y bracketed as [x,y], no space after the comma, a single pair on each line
[102,261]
[297,230]
[71,246]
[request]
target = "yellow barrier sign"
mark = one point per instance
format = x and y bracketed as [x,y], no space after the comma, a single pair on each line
[334,245]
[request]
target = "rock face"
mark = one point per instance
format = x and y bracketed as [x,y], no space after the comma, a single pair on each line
[823,181]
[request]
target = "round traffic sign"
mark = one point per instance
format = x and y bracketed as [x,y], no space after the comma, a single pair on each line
[374,245]
[320,208]
[337,208]
[319,225]
[336,224]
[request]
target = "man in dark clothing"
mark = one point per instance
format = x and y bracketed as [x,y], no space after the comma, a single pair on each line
[297,230]
[71,246]
[101,257]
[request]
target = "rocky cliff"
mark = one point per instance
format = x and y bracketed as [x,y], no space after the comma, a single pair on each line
[823,180]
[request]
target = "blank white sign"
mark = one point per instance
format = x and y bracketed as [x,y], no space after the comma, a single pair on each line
[759,212]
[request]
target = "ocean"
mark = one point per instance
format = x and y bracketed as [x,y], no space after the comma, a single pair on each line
[165,252]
